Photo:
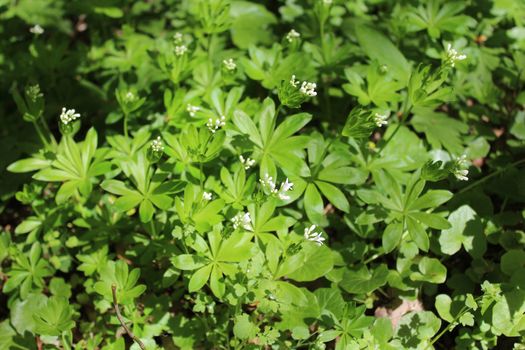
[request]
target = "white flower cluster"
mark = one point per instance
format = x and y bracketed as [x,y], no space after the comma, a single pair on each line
[242,220]
[247,162]
[229,64]
[36,29]
[308,89]
[68,115]
[156,145]
[214,125]
[380,119]
[180,50]
[292,35]
[312,236]
[192,109]
[206,196]
[270,186]
[453,55]
[460,168]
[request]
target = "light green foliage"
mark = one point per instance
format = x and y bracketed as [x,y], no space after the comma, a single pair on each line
[240,174]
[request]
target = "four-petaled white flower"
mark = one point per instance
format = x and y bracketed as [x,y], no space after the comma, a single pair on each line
[460,168]
[312,236]
[214,125]
[247,162]
[68,115]
[192,109]
[229,64]
[156,145]
[271,187]
[308,89]
[285,187]
[242,220]
[292,35]
[36,29]
[380,119]
[180,50]
[453,55]
[206,196]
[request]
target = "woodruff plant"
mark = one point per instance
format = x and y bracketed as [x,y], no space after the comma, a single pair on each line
[305,174]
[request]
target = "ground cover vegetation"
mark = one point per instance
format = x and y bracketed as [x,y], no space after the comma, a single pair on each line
[292,174]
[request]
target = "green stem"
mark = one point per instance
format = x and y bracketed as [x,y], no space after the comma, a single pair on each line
[490,176]
[448,327]
[372,258]
[65,343]
[126,125]
[40,134]
[279,107]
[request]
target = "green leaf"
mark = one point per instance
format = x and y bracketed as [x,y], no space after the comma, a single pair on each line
[146,211]
[431,270]
[362,281]
[466,231]
[440,130]
[188,261]
[199,278]
[513,261]
[431,220]
[55,317]
[379,47]
[317,262]
[243,328]
[431,199]
[334,195]
[118,273]
[128,202]
[418,234]
[29,164]
[392,236]
[250,24]
[313,204]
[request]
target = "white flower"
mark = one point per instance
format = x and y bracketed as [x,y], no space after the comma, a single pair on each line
[206,196]
[460,168]
[68,115]
[214,125]
[292,35]
[177,38]
[156,145]
[180,50]
[312,236]
[192,109]
[294,82]
[380,119]
[285,187]
[268,184]
[36,29]
[308,89]
[242,220]
[453,56]
[229,64]
[271,187]
[248,162]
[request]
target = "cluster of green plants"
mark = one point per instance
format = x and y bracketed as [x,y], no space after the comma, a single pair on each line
[279,174]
